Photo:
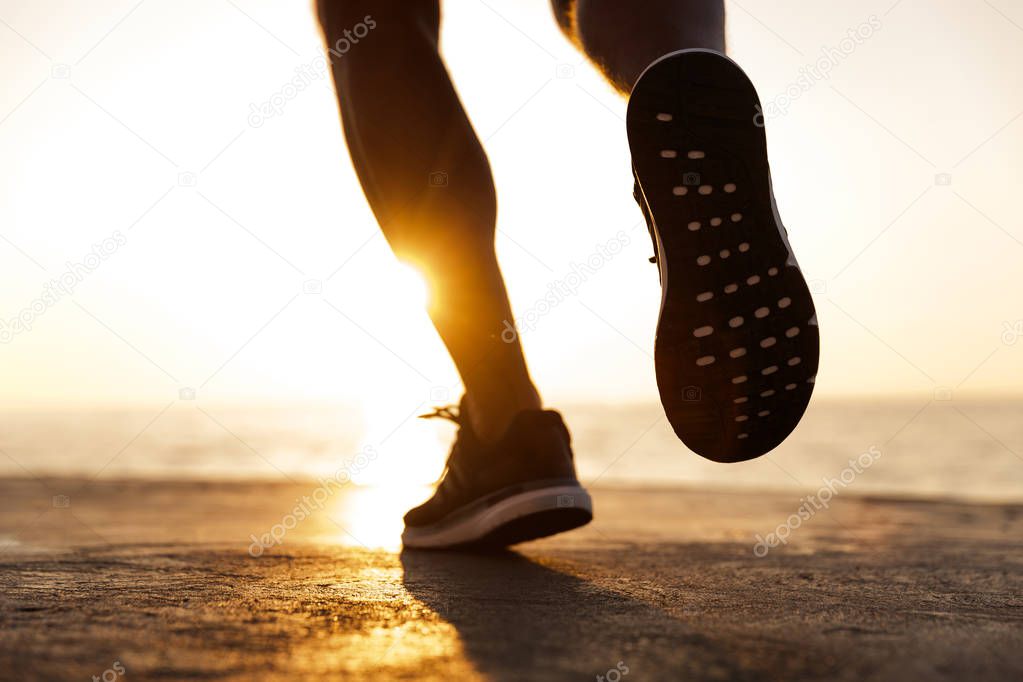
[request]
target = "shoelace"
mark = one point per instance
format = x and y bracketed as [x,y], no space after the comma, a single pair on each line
[449,412]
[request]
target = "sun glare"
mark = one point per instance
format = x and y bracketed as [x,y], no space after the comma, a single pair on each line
[411,285]
[372,517]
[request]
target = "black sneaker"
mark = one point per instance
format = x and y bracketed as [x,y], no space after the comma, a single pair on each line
[520,488]
[737,341]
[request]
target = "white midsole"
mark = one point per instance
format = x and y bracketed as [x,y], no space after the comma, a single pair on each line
[478,525]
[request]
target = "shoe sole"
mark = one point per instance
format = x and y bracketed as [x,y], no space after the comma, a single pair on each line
[514,519]
[737,346]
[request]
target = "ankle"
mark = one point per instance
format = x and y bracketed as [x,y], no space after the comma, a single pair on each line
[662,27]
[491,413]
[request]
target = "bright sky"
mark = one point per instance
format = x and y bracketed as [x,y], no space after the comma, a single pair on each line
[130,120]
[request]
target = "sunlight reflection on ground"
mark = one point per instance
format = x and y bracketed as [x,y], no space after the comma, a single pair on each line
[371,516]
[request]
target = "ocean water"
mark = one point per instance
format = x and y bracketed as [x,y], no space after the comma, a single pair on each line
[930,448]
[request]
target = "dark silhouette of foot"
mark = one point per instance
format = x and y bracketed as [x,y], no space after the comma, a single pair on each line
[521,487]
[737,342]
